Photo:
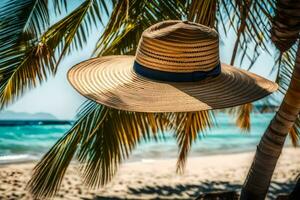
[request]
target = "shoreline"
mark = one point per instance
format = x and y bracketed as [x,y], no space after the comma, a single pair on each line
[150,179]
[134,159]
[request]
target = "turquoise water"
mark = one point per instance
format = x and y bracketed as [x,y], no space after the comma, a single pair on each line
[20,143]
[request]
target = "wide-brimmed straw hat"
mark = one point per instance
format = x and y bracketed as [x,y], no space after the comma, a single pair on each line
[176,69]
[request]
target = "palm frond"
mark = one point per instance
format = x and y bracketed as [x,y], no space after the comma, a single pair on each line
[49,172]
[23,61]
[26,56]
[102,138]
[129,19]
[187,128]
[251,21]
[285,63]
[112,142]
[21,75]
[23,67]
[244,12]
[39,17]
[60,5]
[203,12]
[19,20]
[18,17]
[71,32]
[242,113]
[117,17]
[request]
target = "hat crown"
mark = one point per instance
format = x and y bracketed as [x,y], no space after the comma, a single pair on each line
[179,46]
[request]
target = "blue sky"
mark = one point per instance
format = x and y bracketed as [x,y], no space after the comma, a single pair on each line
[56,96]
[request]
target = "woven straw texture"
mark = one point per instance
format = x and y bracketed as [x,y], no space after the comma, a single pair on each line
[177,46]
[111,81]
[170,46]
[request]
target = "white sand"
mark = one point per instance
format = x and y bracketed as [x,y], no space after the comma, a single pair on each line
[157,179]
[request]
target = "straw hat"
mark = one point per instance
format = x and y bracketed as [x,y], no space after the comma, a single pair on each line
[176,69]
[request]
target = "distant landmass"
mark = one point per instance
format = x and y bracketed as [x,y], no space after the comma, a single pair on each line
[265,108]
[10,118]
[11,115]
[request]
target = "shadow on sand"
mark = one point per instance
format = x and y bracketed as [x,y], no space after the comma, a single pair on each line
[194,191]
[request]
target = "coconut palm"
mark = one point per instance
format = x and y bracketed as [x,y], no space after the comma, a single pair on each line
[285,32]
[31,50]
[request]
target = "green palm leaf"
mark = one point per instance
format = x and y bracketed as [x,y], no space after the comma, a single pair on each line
[251,21]
[60,5]
[71,32]
[48,173]
[129,19]
[18,17]
[203,12]
[102,138]
[26,57]
[21,75]
[112,142]
[24,61]
[187,127]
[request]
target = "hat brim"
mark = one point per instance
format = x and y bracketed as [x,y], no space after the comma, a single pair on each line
[111,81]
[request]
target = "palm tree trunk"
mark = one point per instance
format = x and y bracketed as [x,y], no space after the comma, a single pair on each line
[271,144]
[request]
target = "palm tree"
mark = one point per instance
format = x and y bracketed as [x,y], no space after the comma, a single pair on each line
[285,32]
[31,50]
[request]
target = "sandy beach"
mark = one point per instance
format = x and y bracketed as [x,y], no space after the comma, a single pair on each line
[156,179]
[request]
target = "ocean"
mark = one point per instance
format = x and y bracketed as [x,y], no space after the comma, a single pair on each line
[19,143]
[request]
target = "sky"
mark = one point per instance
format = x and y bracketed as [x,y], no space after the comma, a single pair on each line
[57,97]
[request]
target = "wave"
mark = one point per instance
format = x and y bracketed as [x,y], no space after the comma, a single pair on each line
[17,158]
[27,143]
